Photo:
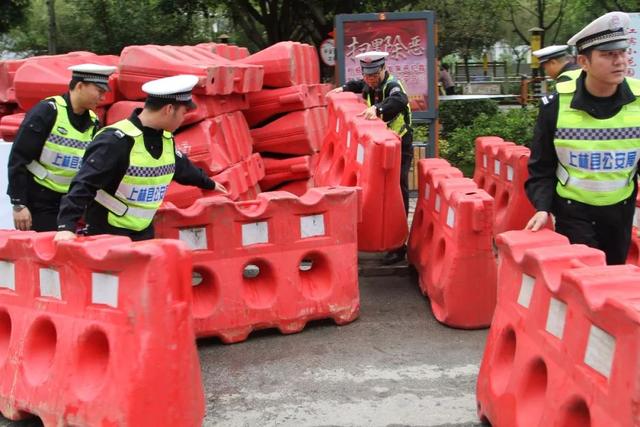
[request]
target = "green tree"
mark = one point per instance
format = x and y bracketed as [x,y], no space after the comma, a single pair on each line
[12,14]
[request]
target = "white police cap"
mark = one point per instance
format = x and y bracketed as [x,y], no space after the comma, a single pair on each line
[93,73]
[172,89]
[608,32]
[372,62]
[550,52]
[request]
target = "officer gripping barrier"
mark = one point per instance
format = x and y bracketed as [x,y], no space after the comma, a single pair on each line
[287,63]
[97,332]
[365,153]
[44,76]
[296,133]
[268,103]
[501,170]
[563,345]
[451,247]
[276,261]
[9,126]
[217,143]
[218,75]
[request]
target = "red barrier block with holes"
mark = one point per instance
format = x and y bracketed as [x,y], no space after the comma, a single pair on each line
[97,332]
[299,188]
[9,126]
[278,171]
[296,133]
[267,103]
[429,173]
[41,77]
[456,264]
[275,262]
[228,51]
[218,75]
[217,143]
[365,153]
[287,63]
[486,152]
[549,358]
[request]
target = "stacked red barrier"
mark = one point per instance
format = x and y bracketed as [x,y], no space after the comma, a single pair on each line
[225,50]
[365,153]
[303,249]
[97,332]
[9,126]
[501,170]
[563,345]
[451,246]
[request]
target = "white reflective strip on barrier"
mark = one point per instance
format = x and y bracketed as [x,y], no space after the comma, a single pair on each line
[484,161]
[104,289]
[600,350]
[526,290]
[7,275]
[195,238]
[338,125]
[509,173]
[312,225]
[437,203]
[427,191]
[255,232]
[556,317]
[360,154]
[496,167]
[50,283]
[451,217]
[348,138]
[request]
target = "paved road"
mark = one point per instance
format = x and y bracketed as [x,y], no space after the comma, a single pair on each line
[394,366]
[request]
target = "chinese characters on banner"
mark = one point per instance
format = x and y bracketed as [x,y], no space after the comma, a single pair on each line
[634,46]
[406,42]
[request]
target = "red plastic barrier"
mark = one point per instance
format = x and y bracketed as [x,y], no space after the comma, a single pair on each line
[287,64]
[296,133]
[9,126]
[97,332]
[269,102]
[228,51]
[633,257]
[278,171]
[304,251]
[365,153]
[456,264]
[486,152]
[8,70]
[564,341]
[41,77]
[218,75]
[299,188]
[216,144]
[430,171]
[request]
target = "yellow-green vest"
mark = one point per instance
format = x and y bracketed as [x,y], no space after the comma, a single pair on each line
[571,74]
[62,152]
[597,159]
[144,185]
[401,123]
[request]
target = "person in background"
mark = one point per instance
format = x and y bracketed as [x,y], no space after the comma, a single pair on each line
[446,80]
[557,62]
[586,143]
[49,146]
[129,165]
[386,99]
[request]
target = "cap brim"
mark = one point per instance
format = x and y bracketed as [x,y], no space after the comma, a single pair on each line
[614,45]
[371,70]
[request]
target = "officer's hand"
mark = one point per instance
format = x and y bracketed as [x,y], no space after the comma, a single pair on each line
[221,188]
[537,221]
[369,113]
[22,219]
[64,235]
[334,90]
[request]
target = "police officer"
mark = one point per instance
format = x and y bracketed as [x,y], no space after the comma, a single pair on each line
[557,63]
[49,146]
[386,99]
[586,145]
[129,165]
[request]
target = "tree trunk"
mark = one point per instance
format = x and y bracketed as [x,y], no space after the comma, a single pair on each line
[52,26]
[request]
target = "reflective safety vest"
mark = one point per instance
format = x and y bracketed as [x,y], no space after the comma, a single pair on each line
[62,153]
[597,159]
[144,184]
[401,123]
[570,74]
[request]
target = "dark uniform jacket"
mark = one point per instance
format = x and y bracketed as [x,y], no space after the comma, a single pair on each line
[103,167]
[33,133]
